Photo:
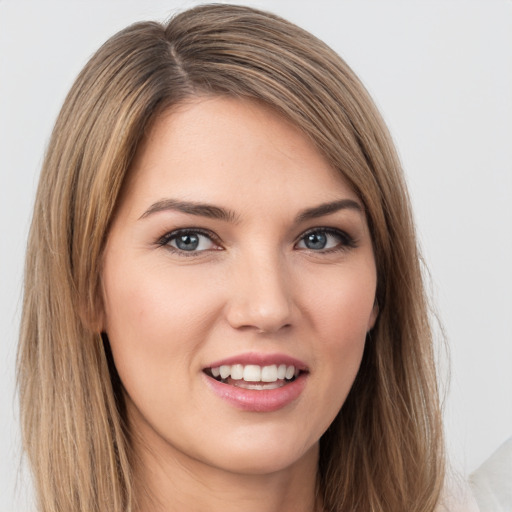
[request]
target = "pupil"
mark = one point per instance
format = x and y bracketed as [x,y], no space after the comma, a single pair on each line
[316,241]
[187,242]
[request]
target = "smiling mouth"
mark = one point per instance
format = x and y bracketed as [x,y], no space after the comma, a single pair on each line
[252,376]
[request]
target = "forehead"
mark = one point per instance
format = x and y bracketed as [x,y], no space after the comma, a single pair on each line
[230,150]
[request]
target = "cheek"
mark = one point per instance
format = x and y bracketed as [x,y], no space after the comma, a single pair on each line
[155,323]
[342,316]
[146,298]
[343,312]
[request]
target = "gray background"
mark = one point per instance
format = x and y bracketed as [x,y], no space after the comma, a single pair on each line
[441,73]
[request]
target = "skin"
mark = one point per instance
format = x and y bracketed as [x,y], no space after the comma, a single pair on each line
[254,285]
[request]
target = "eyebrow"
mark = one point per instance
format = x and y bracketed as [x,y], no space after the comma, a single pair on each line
[328,208]
[192,208]
[217,212]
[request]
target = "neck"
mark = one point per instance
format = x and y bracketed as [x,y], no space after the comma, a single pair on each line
[171,482]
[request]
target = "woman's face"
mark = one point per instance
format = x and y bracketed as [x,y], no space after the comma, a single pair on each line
[239,284]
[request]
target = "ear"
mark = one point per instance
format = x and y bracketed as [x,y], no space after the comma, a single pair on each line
[99,323]
[93,320]
[92,313]
[373,316]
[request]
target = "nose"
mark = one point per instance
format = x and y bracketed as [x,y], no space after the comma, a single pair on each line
[261,297]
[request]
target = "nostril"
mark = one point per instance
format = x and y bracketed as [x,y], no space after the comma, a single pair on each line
[263,330]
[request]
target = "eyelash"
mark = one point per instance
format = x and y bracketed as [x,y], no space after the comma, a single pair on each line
[345,240]
[165,240]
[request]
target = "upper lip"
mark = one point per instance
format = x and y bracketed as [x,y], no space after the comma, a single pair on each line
[260,360]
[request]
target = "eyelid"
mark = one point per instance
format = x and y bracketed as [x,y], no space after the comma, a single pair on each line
[164,240]
[347,241]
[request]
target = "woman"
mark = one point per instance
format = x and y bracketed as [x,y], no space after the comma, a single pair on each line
[223,301]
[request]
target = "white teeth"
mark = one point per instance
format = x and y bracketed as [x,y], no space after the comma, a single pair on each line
[269,373]
[290,372]
[252,373]
[225,371]
[255,373]
[237,372]
[259,385]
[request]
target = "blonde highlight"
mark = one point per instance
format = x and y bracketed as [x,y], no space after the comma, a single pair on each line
[384,451]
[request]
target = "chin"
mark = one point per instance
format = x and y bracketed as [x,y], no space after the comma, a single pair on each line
[271,455]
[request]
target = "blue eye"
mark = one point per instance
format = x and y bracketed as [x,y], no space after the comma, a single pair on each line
[316,241]
[324,240]
[188,241]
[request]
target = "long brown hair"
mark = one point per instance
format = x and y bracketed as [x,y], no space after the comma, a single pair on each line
[384,451]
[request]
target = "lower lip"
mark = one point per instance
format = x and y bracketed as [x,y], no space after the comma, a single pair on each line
[265,400]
